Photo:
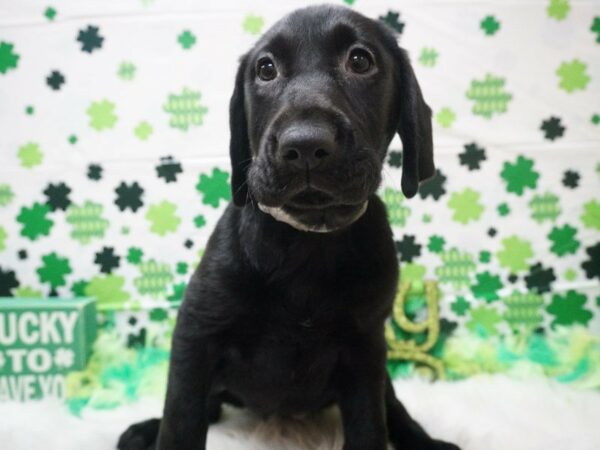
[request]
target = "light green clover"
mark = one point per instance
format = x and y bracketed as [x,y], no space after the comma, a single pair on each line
[163,218]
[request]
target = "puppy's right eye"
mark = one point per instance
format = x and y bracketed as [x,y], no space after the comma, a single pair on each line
[265,69]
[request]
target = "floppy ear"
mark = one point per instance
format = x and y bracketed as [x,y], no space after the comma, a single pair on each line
[414,127]
[239,144]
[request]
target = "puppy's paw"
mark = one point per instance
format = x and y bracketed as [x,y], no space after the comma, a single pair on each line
[140,436]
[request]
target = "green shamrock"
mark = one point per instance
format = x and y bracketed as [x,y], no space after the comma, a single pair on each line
[563,240]
[50,13]
[134,255]
[78,288]
[460,306]
[87,221]
[519,175]
[163,218]
[143,130]
[108,291]
[253,24]
[102,115]
[3,236]
[126,71]
[489,96]
[436,244]
[30,155]
[456,269]
[544,207]
[503,209]
[558,9]
[6,194]
[485,256]
[487,286]
[514,254]
[428,57]
[397,211]
[27,292]
[490,25]
[523,310]
[154,278]
[53,270]
[214,188]
[8,59]
[570,274]
[466,206]
[34,221]
[199,221]
[573,76]
[484,321]
[595,28]
[591,215]
[186,39]
[569,309]
[445,117]
[185,109]
[412,272]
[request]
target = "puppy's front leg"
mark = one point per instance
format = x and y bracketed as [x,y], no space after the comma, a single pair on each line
[361,391]
[193,357]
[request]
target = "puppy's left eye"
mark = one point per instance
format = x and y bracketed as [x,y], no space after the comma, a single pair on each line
[265,69]
[360,61]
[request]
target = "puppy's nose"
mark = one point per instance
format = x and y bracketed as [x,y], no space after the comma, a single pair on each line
[306,146]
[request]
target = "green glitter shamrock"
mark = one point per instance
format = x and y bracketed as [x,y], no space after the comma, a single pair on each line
[573,76]
[397,211]
[2,238]
[253,24]
[595,28]
[126,71]
[199,221]
[6,194]
[456,269]
[569,309]
[143,130]
[102,115]
[34,221]
[544,207]
[460,306]
[162,218]
[185,109]
[8,59]
[154,278]
[30,155]
[563,240]
[214,188]
[466,206]
[490,25]
[484,321]
[489,96]
[412,272]
[445,117]
[487,286]
[428,57]
[591,214]
[436,244]
[53,270]
[87,221]
[523,310]
[186,39]
[519,175]
[108,291]
[558,9]
[514,254]
[134,255]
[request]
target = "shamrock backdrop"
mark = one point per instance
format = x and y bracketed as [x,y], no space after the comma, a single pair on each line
[114,168]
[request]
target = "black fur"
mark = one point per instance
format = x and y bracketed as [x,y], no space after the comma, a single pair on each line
[284,321]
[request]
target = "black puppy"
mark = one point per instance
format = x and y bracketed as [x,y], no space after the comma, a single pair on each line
[285,314]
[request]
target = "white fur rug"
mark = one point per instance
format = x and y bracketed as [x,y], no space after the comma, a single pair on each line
[491,413]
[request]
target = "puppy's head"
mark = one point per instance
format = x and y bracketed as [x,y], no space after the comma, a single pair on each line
[315,105]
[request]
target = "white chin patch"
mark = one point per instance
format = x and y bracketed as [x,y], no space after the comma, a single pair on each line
[280,215]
